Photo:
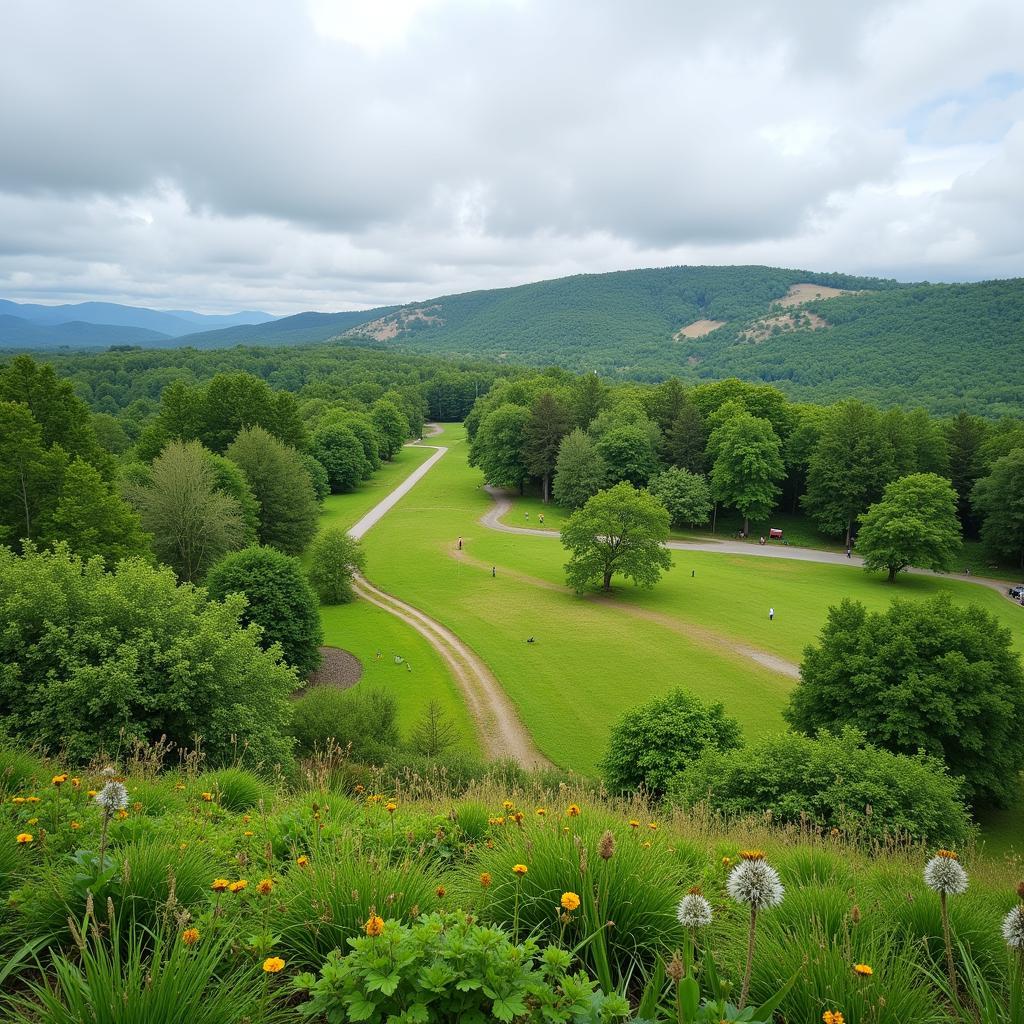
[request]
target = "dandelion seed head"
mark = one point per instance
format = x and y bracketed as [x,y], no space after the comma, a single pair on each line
[944,874]
[113,797]
[756,883]
[1013,928]
[694,911]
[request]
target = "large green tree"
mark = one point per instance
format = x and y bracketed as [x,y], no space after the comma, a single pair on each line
[748,465]
[620,531]
[685,439]
[340,452]
[915,523]
[580,472]
[277,474]
[392,426]
[686,495]
[498,448]
[965,435]
[30,474]
[278,598]
[549,422]
[999,499]
[850,466]
[921,675]
[629,453]
[192,522]
[334,560]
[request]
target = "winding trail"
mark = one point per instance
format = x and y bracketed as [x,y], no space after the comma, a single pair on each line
[501,733]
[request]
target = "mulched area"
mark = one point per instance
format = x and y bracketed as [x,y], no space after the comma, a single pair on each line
[338,668]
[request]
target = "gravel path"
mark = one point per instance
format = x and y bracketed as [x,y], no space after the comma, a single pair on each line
[338,668]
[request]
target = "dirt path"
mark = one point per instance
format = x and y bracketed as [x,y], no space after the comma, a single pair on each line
[501,733]
[503,504]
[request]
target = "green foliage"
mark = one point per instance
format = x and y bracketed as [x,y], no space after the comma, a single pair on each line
[747,465]
[91,659]
[831,782]
[230,480]
[499,446]
[999,499]
[914,524]
[656,741]
[628,450]
[18,769]
[446,967]
[235,789]
[549,422]
[392,427]
[618,531]
[334,559]
[340,452]
[925,675]
[362,721]
[686,495]
[278,598]
[192,522]
[434,733]
[580,472]
[317,476]
[280,480]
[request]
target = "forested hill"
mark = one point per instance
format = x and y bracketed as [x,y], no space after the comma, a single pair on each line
[941,346]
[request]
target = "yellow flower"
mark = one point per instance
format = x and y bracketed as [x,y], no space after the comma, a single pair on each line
[31,799]
[752,854]
[76,782]
[391,807]
[833,1017]
[182,846]
[570,901]
[302,861]
[237,886]
[266,886]
[374,926]
[440,892]
[947,854]
[91,793]
[190,936]
[573,810]
[863,970]
[220,884]
[541,811]
[653,826]
[17,799]
[647,844]
[122,815]
[633,823]
[508,805]
[485,879]
[208,797]
[248,832]
[179,786]
[726,861]
[273,964]
[519,869]
[32,821]
[76,825]
[59,780]
[23,838]
[246,819]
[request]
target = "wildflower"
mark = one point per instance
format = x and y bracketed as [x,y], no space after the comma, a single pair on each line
[440,892]
[944,874]
[17,799]
[653,826]
[647,844]
[112,797]
[541,812]
[248,832]
[59,780]
[833,1017]
[246,818]
[208,797]
[23,837]
[31,799]
[32,821]
[273,964]
[694,911]
[519,869]
[485,879]
[90,793]
[756,883]
[265,887]
[633,823]
[391,807]
[220,884]
[518,817]
[179,786]
[302,861]
[1013,929]
[751,854]
[122,814]
[374,926]
[237,886]
[726,861]
[573,811]
[76,825]
[570,901]
[190,936]
[76,783]
[508,805]
[606,847]
[864,970]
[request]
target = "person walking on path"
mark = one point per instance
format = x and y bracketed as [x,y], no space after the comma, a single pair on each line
[494,571]
[460,543]
[541,517]
[771,614]
[848,554]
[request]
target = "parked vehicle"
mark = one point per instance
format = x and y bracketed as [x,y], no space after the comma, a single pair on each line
[1017,592]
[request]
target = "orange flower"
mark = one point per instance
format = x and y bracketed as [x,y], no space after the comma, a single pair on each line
[374,926]
[833,1017]
[633,823]
[440,892]
[485,879]
[302,861]
[190,936]
[752,854]
[122,814]
[519,869]
[246,819]
[541,811]
[23,837]
[391,807]
[863,970]
[237,886]
[208,797]
[220,884]
[653,826]
[31,799]
[76,825]
[266,886]
[946,854]
[59,780]
[570,901]
[273,964]
[573,810]
[76,782]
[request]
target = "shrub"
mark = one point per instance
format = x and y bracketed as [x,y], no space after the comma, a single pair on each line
[448,968]
[92,660]
[832,782]
[279,600]
[235,789]
[654,742]
[334,559]
[365,719]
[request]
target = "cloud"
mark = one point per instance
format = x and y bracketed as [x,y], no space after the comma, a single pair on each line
[351,154]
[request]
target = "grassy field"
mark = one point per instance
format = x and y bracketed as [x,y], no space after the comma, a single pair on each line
[364,629]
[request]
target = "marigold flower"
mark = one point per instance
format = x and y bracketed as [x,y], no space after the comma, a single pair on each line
[519,869]
[23,837]
[122,814]
[208,797]
[273,964]
[302,861]
[76,782]
[864,970]
[76,825]
[944,874]
[573,810]
[541,812]
[391,807]
[833,1017]
[440,892]
[17,799]
[374,926]
[485,879]
[633,823]
[220,884]
[190,936]
[570,901]
[237,886]
[265,887]
[59,780]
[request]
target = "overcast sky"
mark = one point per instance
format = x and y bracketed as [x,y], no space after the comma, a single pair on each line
[335,154]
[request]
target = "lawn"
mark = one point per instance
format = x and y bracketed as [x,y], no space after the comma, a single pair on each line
[592,660]
[364,629]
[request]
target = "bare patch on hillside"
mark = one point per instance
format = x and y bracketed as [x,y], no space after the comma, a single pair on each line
[387,328]
[798,294]
[698,329]
[783,323]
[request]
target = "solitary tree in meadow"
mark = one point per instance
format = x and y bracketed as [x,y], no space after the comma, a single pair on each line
[619,531]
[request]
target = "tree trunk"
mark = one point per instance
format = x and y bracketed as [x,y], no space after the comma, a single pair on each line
[714,518]
[892,573]
[849,530]
[746,525]
[547,479]
[607,580]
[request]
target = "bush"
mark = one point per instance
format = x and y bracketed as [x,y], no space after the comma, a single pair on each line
[448,968]
[279,600]
[365,719]
[832,782]
[235,789]
[334,559]
[654,742]
[92,660]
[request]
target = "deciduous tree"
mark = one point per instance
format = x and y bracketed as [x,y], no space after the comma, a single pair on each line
[548,424]
[686,495]
[334,559]
[580,472]
[999,498]
[748,466]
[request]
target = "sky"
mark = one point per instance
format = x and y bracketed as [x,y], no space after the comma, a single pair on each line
[340,154]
